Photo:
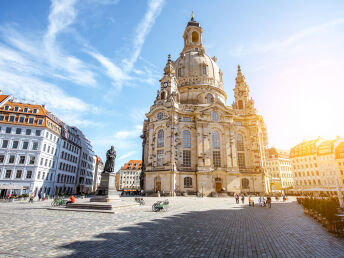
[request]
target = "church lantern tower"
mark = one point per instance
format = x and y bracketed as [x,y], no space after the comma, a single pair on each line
[241,94]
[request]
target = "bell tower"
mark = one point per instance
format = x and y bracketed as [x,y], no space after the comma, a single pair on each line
[193,36]
[241,93]
[168,84]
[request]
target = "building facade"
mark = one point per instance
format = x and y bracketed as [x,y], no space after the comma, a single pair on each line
[280,170]
[318,165]
[98,170]
[129,175]
[38,152]
[192,141]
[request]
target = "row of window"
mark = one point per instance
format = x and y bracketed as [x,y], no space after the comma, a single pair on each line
[19,174]
[50,149]
[18,108]
[21,119]
[70,147]
[20,131]
[21,159]
[67,167]
[186,135]
[62,178]
[69,157]
[18,145]
[47,163]
[307,173]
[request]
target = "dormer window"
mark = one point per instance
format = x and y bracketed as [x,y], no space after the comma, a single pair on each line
[31,120]
[21,119]
[40,121]
[26,109]
[165,84]
[209,98]
[35,110]
[7,107]
[16,108]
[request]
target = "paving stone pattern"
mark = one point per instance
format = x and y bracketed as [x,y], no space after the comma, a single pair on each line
[192,227]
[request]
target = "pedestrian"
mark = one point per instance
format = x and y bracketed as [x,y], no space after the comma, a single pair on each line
[236,198]
[284,198]
[268,201]
[43,197]
[250,201]
[39,196]
[72,199]
[31,198]
[242,198]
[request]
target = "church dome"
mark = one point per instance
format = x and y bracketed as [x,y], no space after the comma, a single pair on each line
[194,67]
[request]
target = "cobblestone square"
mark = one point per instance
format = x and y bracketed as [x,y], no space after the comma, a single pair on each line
[192,227]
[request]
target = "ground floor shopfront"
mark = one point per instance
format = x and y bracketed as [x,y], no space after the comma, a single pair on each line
[205,183]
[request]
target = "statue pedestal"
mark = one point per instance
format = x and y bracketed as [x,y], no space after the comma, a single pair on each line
[107,189]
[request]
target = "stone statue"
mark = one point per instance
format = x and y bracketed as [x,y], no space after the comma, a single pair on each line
[110,160]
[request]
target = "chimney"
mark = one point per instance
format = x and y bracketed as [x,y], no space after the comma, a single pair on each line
[43,105]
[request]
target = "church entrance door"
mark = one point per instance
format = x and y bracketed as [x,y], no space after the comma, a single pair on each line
[158,186]
[218,187]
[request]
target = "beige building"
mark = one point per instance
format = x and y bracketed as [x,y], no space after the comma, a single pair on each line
[280,170]
[98,170]
[318,164]
[129,175]
[192,141]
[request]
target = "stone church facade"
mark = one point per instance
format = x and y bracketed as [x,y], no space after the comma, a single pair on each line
[192,141]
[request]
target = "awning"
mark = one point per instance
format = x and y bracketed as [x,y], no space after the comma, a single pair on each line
[10,187]
[316,190]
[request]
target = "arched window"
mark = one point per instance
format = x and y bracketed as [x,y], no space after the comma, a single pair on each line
[194,36]
[186,139]
[179,72]
[163,95]
[240,143]
[209,98]
[161,138]
[240,104]
[245,184]
[214,116]
[215,139]
[240,150]
[204,70]
[160,115]
[187,182]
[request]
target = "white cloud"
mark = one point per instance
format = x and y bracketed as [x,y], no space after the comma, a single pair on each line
[62,14]
[124,156]
[112,70]
[142,30]
[290,41]
[119,75]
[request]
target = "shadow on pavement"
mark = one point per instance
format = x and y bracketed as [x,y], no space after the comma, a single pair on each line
[282,231]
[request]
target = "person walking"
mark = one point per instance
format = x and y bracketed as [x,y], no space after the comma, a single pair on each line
[242,198]
[39,196]
[31,198]
[43,197]
[237,198]
[268,201]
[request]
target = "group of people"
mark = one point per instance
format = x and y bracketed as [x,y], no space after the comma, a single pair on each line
[261,200]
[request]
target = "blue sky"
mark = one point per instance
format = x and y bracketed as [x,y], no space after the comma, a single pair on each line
[97,63]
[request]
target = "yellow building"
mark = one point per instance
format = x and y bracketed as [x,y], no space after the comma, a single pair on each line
[339,151]
[317,165]
[192,141]
[280,170]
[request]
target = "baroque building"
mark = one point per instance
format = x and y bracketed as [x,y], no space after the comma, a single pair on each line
[192,141]
[279,170]
[39,153]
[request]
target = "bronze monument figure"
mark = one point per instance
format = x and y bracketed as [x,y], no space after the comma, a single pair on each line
[110,161]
